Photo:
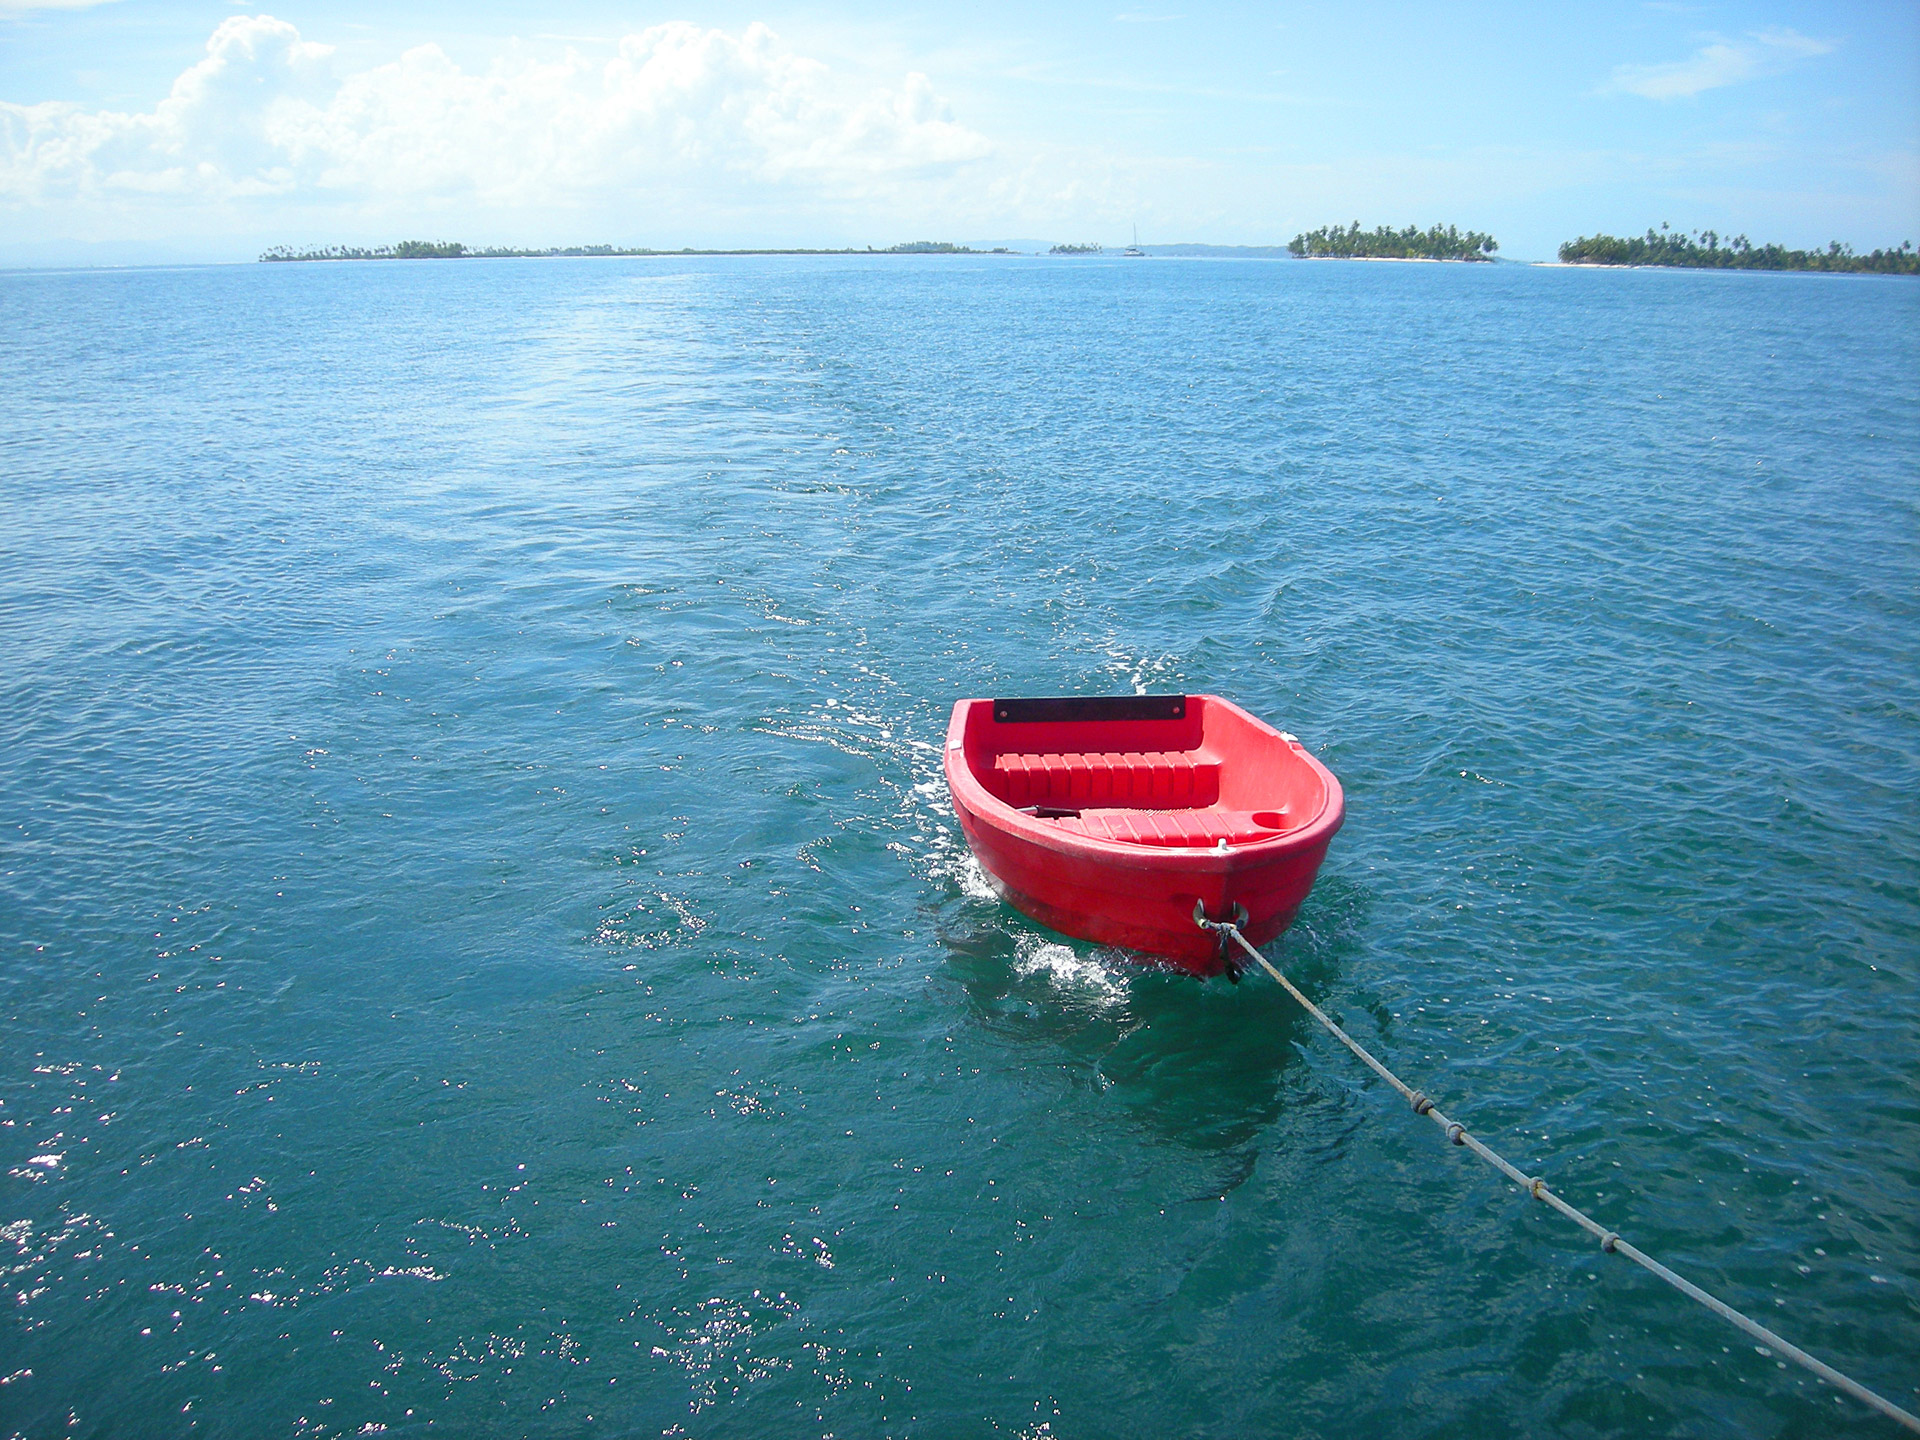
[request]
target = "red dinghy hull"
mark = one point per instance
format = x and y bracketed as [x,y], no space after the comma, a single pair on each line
[1110,818]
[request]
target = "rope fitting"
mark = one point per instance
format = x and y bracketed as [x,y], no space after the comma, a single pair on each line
[1537,1187]
[1421,1104]
[1455,1130]
[1237,917]
[1609,1240]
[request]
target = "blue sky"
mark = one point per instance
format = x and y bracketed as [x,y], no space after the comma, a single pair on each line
[134,130]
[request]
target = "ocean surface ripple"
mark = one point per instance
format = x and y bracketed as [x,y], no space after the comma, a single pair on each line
[487,949]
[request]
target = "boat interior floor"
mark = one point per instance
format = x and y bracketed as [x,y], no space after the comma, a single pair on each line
[1204,828]
[1160,798]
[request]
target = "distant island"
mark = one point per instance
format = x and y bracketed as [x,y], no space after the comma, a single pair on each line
[1330,242]
[1704,251]
[453,250]
[405,250]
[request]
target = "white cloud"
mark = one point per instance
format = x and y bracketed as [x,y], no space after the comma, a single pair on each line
[264,114]
[1721,62]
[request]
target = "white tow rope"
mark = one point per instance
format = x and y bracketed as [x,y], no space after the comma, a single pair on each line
[1537,1188]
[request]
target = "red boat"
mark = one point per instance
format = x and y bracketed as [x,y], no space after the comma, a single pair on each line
[1115,818]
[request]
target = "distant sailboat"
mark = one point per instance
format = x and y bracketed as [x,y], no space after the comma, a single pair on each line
[1134,249]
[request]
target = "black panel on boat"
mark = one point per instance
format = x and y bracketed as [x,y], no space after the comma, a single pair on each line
[1091,707]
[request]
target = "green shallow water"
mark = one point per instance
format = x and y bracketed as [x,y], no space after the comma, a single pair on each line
[486,950]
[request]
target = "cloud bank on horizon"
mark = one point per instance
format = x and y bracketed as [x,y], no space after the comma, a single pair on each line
[264,115]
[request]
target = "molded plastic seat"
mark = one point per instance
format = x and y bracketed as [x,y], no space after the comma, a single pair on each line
[1162,780]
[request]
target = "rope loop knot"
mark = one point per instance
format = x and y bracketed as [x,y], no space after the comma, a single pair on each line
[1421,1104]
[1455,1130]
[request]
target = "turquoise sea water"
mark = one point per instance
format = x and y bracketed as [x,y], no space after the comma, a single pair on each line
[486,950]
